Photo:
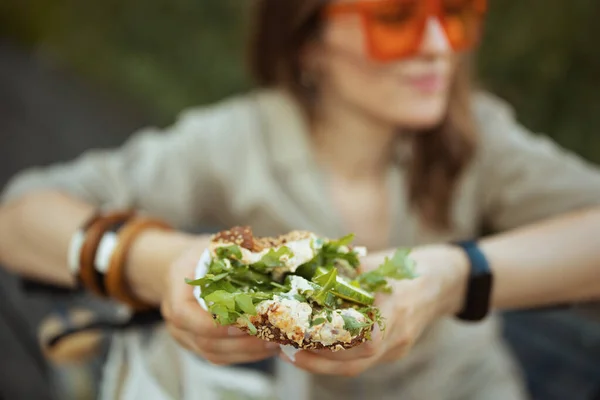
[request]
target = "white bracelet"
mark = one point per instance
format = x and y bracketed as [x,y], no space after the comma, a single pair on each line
[105,251]
[74,256]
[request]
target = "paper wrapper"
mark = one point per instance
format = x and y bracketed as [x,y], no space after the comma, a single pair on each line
[201,270]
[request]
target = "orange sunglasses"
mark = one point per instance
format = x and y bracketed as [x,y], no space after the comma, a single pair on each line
[394,29]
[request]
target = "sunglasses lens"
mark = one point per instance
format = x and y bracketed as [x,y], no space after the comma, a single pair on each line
[394,28]
[462,21]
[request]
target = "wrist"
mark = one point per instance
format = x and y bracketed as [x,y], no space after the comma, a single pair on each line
[149,259]
[447,269]
[458,285]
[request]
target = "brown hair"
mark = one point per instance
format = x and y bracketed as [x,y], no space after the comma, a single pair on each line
[283,27]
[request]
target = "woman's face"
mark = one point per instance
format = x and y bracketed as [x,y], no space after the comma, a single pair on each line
[410,91]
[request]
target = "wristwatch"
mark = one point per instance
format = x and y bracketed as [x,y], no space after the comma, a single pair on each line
[477,300]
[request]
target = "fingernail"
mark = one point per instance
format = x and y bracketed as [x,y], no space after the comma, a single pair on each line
[234,332]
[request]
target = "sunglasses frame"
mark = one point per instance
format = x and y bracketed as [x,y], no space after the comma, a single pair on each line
[432,8]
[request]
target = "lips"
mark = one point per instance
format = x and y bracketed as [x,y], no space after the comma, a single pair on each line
[427,83]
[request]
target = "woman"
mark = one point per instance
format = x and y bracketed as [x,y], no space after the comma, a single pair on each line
[364,122]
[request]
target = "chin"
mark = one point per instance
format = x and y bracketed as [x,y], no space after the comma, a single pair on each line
[424,121]
[420,118]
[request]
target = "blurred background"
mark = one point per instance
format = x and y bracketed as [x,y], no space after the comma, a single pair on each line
[76,74]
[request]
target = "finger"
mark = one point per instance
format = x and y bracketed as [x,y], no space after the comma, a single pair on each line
[184,339]
[322,366]
[367,349]
[240,358]
[183,310]
[194,319]
[243,345]
[395,355]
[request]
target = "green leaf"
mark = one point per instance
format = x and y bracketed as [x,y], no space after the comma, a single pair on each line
[344,241]
[230,252]
[257,297]
[279,286]
[329,315]
[207,279]
[249,276]
[352,325]
[222,284]
[251,328]
[217,266]
[272,259]
[308,270]
[318,321]
[194,282]
[327,282]
[223,298]
[222,314]
[299,297]
[244,302]
[400,266]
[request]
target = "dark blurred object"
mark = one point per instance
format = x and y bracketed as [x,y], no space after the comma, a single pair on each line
[45,116]
[560,352]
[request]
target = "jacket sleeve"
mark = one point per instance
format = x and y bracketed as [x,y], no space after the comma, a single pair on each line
[528,177]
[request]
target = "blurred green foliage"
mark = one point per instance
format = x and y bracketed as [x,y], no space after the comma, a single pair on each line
[540,55]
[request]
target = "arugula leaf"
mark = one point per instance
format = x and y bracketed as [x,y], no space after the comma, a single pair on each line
[217,266]
[251,328]
[279,286]
[329,315]
[223,298]
[222,314]
[318,321]
[308,269]
[327,282]
[272,259]
[353,326]
[249,276]
[206,279]
[244,302]
[400,266]
[373,281]
[344,241]
[223,285]
[299,297]
[257,297]
[230,252]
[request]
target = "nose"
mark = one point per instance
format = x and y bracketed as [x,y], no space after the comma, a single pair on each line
[435,41]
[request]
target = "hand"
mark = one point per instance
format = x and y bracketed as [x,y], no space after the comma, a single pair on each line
[195,329]
[413,305]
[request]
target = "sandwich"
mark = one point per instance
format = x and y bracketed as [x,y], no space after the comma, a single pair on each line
[298,289]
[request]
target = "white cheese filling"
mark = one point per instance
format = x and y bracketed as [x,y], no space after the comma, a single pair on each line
[293,317]
[302,252]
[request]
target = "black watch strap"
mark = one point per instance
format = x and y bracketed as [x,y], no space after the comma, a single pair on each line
[479,287]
